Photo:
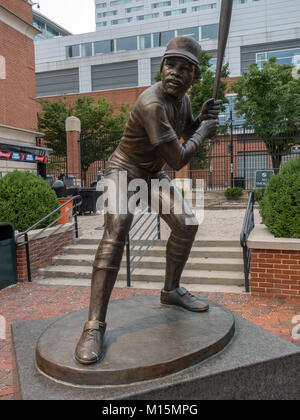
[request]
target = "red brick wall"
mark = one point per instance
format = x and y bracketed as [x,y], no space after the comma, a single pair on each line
[116,97]
[275,273]
[20,8]
[21,254]
[18,106]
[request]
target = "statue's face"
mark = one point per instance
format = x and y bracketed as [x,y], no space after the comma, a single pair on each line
[177,76]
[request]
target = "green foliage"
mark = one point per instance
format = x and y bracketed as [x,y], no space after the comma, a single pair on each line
[94,117]
[258,194]
[25,199]
[234,192]
[271,94]
[280,205]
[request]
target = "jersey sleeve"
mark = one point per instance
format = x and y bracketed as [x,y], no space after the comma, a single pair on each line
[157,125]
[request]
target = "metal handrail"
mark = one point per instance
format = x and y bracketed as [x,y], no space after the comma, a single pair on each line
[140,240]
[248,225]
[30,259]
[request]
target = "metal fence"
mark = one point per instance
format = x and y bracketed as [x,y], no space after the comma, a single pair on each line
[232,159]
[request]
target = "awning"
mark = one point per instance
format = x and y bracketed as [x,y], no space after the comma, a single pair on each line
[24,152]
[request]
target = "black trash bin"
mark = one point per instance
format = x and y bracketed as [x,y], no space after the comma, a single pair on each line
[89,198]
[59,187]
[8,260]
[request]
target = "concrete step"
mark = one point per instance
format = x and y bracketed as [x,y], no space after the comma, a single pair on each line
[218,264]
[158,251]
[204,288]
[161,242]
[153,275]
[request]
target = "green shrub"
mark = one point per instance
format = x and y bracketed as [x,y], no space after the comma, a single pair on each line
[258,195]
[234,192]
[280,205]
[25,199]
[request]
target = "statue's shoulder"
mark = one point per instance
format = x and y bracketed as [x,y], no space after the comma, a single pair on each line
[152,94]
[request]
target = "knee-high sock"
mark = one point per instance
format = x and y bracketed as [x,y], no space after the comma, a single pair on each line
[177,253]
[105,271]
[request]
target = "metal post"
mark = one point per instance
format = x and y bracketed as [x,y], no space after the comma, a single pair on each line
[158,227]
[76,221]
[27,258]
[244,144]
[128,261]
[231,149]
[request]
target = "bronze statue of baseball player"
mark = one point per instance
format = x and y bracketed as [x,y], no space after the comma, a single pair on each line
[160,117]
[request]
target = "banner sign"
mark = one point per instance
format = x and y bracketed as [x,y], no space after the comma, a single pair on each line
[26,157]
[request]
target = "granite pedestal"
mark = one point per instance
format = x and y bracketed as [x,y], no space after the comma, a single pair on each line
[254,364]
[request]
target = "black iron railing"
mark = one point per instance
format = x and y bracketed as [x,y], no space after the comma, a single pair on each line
[248,225]
[143,232]
[46,243]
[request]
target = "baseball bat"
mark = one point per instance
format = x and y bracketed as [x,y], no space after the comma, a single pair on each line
[224,25]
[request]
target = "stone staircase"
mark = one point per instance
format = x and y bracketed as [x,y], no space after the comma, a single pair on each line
[212,262]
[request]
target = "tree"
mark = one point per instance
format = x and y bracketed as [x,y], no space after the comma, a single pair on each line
[96,120]
[201,91]
[269,99]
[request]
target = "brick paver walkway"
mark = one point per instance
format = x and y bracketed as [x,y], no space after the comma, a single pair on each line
[32,301]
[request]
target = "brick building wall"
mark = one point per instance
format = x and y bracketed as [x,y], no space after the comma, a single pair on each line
[18,89]
[20,7]
[275,273]
[38,253]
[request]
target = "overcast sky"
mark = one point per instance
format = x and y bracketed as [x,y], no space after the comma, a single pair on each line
[77,16]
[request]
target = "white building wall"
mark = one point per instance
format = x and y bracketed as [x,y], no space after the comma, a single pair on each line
[255,22]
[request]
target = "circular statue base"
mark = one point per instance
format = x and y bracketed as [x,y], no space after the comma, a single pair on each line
[144,340]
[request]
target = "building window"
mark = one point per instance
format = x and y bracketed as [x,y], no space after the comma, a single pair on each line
[101,24]
[161,39]
[160,4]
[104,14]
[145,41]
[175,12]
[134,9]
[291,57]
[204,7]
[118,2]
[87,49]
[149,16]
[127,44]
[73,51]
[210,31]
[104,47]
[229,107]
[120,21]
[240,1]
[192,32]
[101,5]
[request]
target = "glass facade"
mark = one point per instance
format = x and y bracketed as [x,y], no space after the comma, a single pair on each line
[175,12]
[87,49]
[210,31]
[161,39]
[229,107]
[157,39]
[161,4]
[192,32]
[46,30]
[290,56]
[145,41]
[104,47]
[73,51]
[127,44]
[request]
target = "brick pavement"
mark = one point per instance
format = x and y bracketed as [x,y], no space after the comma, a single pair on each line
[31,301]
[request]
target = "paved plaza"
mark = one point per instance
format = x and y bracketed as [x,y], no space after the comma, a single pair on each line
[31,301]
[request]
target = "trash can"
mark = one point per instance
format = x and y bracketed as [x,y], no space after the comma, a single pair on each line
[66,212]
[59,187]
[8,260]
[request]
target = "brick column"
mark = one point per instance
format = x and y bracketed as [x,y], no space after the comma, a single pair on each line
[73,129]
